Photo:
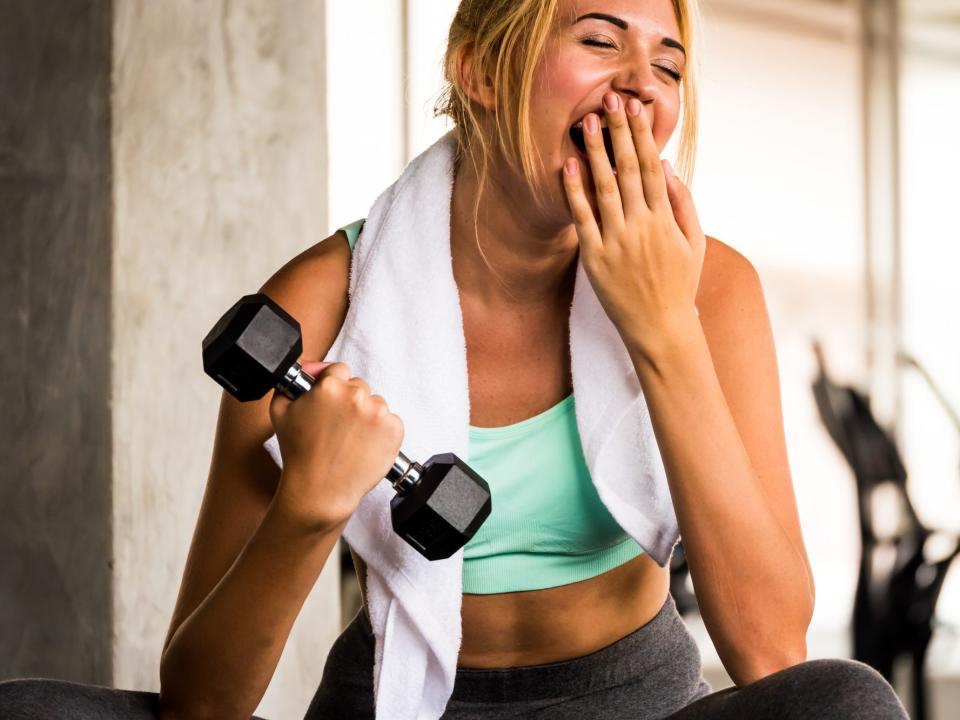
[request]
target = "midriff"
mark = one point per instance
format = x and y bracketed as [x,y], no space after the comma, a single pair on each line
[559,623]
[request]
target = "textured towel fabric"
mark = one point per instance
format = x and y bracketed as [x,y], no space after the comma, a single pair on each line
[403,334]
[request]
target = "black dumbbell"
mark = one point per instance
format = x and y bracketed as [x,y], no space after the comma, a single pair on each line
[254,348]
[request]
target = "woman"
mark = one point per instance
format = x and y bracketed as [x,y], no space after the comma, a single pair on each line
[592,631]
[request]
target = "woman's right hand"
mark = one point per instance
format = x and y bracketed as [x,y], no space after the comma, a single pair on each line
[337,441]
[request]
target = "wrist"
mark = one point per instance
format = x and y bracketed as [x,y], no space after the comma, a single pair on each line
[674,339]
[294,514]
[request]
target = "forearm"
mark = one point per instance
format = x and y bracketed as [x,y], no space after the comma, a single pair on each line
[221,658]
[750,579]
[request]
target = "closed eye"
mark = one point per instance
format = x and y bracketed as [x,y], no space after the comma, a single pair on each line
[598,43]
[670,71]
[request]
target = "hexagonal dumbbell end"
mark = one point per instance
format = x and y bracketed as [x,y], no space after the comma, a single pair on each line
[252,348]
[441,512]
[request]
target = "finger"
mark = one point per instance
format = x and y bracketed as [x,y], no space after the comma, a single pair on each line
[651,172]
[359,383]
[339,370]
[580,210]
[625,155]
[313,368]
[278,406]
[684,211]
[604,181]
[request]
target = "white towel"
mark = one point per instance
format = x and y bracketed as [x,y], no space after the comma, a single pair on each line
[403,334]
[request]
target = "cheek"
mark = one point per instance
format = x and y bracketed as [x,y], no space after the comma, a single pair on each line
[553,73]
[559,85]
[667,125]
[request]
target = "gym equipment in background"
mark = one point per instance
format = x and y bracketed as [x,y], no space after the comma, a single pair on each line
[903,563]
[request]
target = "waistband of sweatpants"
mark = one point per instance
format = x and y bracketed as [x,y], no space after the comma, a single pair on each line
[663,639]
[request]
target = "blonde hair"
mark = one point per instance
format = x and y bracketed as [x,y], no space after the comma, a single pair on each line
[509,37]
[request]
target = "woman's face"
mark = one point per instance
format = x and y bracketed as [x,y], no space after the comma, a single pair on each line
[625,46]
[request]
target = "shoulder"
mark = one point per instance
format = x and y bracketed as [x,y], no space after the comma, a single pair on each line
[313,288]
[727,277]
[733,314]
[736,324]
[730,299]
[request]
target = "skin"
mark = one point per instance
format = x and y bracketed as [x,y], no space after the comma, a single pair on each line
[649,265]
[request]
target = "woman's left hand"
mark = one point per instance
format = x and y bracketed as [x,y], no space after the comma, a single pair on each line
[644,258]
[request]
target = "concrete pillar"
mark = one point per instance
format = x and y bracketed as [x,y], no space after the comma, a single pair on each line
[56,427]
[134,213]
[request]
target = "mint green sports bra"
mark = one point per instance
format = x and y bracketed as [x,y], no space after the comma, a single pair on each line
[548,526]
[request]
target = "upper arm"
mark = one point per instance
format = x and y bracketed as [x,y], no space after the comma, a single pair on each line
[733,314]
[242,477]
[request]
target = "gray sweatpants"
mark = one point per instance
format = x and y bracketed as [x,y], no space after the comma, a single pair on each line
[655,672]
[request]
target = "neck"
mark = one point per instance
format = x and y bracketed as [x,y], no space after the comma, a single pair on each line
[527,259]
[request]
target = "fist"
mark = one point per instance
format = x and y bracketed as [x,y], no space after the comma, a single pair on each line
[337,441]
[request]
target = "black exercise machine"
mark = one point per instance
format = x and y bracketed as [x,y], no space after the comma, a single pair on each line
[903,563]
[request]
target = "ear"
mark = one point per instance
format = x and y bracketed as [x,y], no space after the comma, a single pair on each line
[478,89]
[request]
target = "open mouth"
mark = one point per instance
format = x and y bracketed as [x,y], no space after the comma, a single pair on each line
[576,135]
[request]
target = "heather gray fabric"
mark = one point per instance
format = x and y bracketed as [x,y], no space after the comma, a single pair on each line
[826,688]
[59,700]
[654,673]
[37,699]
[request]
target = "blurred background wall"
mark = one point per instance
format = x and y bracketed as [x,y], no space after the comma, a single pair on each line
[236,134]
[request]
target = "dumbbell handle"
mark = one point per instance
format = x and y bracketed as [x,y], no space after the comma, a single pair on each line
[404,474]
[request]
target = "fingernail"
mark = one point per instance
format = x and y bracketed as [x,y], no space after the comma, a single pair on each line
[570,166]
[611,102]
[633,106]
[670,168]
[592,123]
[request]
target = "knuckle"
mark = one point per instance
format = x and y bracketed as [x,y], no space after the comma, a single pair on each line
[582,216]
[629,167]
[607,185]
[648,165]
[357,396]
[340,368]
[333,374]
[360,382]
[378,407]
[327,384]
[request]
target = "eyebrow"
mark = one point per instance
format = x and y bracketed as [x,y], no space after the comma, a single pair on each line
[622,24]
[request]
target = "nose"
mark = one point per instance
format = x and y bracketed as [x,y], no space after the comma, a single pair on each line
[636,79]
